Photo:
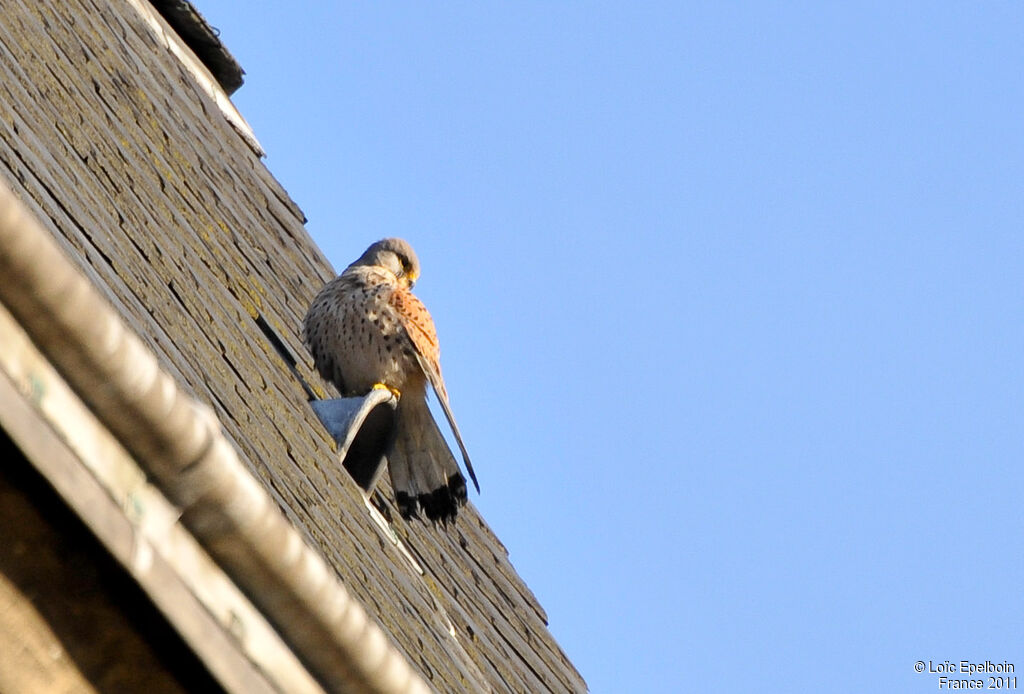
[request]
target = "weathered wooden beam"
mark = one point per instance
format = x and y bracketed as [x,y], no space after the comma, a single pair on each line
[103,485]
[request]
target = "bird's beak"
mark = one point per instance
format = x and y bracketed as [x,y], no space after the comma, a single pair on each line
[410,280]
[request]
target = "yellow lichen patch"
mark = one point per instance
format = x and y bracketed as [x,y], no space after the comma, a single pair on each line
[250,308]
[257,285]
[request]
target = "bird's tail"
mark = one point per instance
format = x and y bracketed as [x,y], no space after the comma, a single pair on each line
[423,470]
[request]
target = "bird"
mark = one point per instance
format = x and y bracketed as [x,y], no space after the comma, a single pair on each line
[366,329]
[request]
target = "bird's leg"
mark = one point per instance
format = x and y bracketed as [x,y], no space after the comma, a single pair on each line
[394,391]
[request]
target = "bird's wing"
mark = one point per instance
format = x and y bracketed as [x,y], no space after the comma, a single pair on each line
[419,326]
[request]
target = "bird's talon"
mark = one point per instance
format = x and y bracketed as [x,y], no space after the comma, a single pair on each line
[394,391]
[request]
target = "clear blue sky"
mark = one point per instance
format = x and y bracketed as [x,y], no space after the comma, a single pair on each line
[730,298]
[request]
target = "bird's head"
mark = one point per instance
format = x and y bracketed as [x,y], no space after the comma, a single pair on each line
[394,255]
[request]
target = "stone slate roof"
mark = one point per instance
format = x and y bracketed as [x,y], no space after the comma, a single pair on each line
[174,217]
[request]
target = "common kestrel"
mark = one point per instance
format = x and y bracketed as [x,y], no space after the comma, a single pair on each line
[365,329]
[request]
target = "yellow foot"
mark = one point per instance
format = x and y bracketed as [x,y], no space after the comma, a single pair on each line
[394,391]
